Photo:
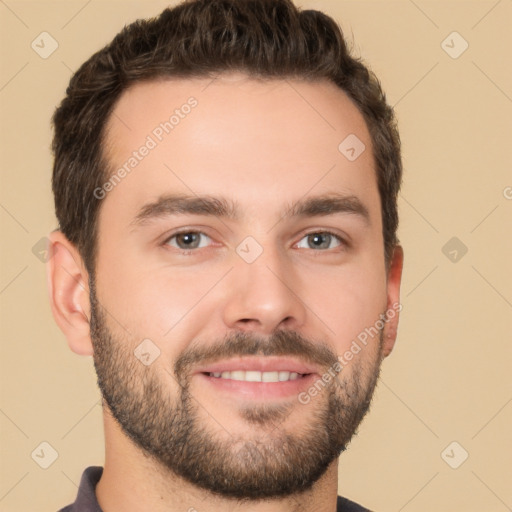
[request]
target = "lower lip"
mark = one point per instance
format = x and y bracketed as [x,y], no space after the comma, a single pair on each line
[261,390]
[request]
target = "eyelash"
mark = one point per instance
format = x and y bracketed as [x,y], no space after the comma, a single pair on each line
[187,252]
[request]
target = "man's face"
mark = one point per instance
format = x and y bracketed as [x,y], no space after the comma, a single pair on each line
[244,311]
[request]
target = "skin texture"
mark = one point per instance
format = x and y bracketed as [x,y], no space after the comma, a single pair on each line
[265,145]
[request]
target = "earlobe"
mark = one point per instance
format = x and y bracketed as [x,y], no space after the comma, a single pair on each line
[68,292]
[393,301]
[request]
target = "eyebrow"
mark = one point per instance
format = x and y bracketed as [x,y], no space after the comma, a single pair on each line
[181,204]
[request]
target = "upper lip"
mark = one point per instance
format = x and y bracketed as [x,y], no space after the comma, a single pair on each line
[259,364]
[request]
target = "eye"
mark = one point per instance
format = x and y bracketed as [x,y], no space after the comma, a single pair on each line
[320,240]
[186,240]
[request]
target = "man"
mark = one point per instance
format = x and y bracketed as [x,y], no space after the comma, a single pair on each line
[225,182]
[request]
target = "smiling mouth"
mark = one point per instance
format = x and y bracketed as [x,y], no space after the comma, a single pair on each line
[257,376]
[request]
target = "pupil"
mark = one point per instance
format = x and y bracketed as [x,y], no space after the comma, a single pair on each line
[188,238]
[320,240]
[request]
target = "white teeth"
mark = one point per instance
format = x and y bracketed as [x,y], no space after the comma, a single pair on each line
[270,377]
[255,376]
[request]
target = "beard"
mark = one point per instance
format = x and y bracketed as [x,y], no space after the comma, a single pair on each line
[178,434]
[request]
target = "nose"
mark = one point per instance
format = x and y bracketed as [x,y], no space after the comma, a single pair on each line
[264,295]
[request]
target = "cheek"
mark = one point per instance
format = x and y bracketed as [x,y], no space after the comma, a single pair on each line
[348,301]
[148,298]
[154,302]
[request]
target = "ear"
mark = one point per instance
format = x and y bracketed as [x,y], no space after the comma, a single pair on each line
[393,300]
[69,292]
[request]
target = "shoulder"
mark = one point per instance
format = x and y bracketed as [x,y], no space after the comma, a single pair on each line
[86,498]
[345,505]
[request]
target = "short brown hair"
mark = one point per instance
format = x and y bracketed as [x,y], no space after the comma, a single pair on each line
[203,38]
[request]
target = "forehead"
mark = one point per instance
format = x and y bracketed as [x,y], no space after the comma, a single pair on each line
[257,141]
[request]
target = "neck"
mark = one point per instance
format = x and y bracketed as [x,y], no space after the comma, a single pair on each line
[133,482]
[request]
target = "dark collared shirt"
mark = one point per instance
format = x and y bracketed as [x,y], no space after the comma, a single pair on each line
[86,499]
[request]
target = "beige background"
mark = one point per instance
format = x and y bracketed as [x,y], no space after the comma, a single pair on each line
[449,376]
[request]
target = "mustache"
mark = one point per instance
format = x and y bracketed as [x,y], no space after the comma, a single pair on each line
[279,343]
